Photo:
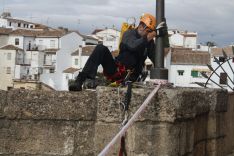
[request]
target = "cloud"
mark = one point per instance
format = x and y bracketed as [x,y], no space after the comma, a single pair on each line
[212,19]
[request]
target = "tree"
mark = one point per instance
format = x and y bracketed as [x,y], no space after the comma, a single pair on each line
[211,44]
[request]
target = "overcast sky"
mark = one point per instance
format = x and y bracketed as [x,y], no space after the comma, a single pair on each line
[213,20]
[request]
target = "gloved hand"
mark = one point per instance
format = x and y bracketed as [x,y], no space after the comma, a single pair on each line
[161,29]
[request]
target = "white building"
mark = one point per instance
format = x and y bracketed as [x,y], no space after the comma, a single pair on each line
[224,77]
[6,21]
[182,39]
[110,37]
[186,67]
[62,61]
[10,58]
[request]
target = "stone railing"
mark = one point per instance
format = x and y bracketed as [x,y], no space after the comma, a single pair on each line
[178,122]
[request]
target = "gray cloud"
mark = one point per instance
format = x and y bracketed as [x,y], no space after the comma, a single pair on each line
[212,19]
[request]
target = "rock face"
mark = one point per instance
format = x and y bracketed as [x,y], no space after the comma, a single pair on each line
[177,122]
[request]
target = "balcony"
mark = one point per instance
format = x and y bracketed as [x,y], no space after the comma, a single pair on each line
[26,62]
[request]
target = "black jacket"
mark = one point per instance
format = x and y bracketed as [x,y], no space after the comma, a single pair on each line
[134,49]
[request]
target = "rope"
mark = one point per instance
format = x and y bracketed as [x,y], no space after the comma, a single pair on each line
[107,149]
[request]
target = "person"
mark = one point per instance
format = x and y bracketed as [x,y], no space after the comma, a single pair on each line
[134,48]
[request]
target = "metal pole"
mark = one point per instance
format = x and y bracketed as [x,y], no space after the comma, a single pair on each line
[159,72]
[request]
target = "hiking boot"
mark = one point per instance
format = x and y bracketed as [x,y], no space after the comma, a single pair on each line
[77,85]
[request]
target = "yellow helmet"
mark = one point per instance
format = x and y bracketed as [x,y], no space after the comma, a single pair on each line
[149,20]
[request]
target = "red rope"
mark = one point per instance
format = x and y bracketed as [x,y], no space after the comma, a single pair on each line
[122,150]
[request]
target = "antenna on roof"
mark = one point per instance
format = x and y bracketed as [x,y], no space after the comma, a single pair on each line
[3,6]
[47,21]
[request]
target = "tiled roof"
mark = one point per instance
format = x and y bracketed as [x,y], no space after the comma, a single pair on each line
[70,70]
[189,35]
[218,51]
[5,31]
[190,57]
[38,33]
[87,50]
[96,31]
[10,47]
[24,32]
[75,53]
[89,37]
[51,33]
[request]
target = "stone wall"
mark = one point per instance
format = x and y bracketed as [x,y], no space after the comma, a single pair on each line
[178,122]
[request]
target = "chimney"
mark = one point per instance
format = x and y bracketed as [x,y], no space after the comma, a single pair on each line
[6,14]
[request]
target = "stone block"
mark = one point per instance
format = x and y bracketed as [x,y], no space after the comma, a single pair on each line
[200,149]
[84,139]
[104,133]
[3,102]
[25,104]
[157,139]
[36,137]
[167,106]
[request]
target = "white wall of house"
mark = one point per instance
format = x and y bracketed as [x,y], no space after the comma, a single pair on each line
[7,68]
[76,62]
[63,61]
[89,41]
[27,41]
[110,38]
[13,38]
[183,39]
[47,43]
[186,79]
[176,40]
[190,42]
[203,48]
[3,23]
[3,40]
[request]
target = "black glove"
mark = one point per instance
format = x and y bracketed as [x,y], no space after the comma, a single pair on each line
[161,29]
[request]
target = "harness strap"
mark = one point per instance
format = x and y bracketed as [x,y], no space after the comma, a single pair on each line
[120,76]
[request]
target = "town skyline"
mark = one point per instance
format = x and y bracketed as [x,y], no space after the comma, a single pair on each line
[210,19]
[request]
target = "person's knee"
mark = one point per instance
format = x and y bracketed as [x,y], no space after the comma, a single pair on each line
[102,47]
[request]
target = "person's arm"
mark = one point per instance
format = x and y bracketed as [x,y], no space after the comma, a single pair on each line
[132,42]
[151,51]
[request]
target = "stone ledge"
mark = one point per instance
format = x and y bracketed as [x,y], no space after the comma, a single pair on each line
[168,105]
[39,105]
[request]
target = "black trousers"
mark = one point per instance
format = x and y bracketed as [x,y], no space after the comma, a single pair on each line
[100,56]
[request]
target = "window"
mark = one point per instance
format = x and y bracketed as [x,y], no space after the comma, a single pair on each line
[16,41]
[52,43]
[76,61]
[180,72]
[194,73]
[10,24]
[9,88]
[233,59]
[40,42]
[221,59]
[8,70]
[51,70]
[8,56]
[223,78]
[19,24]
